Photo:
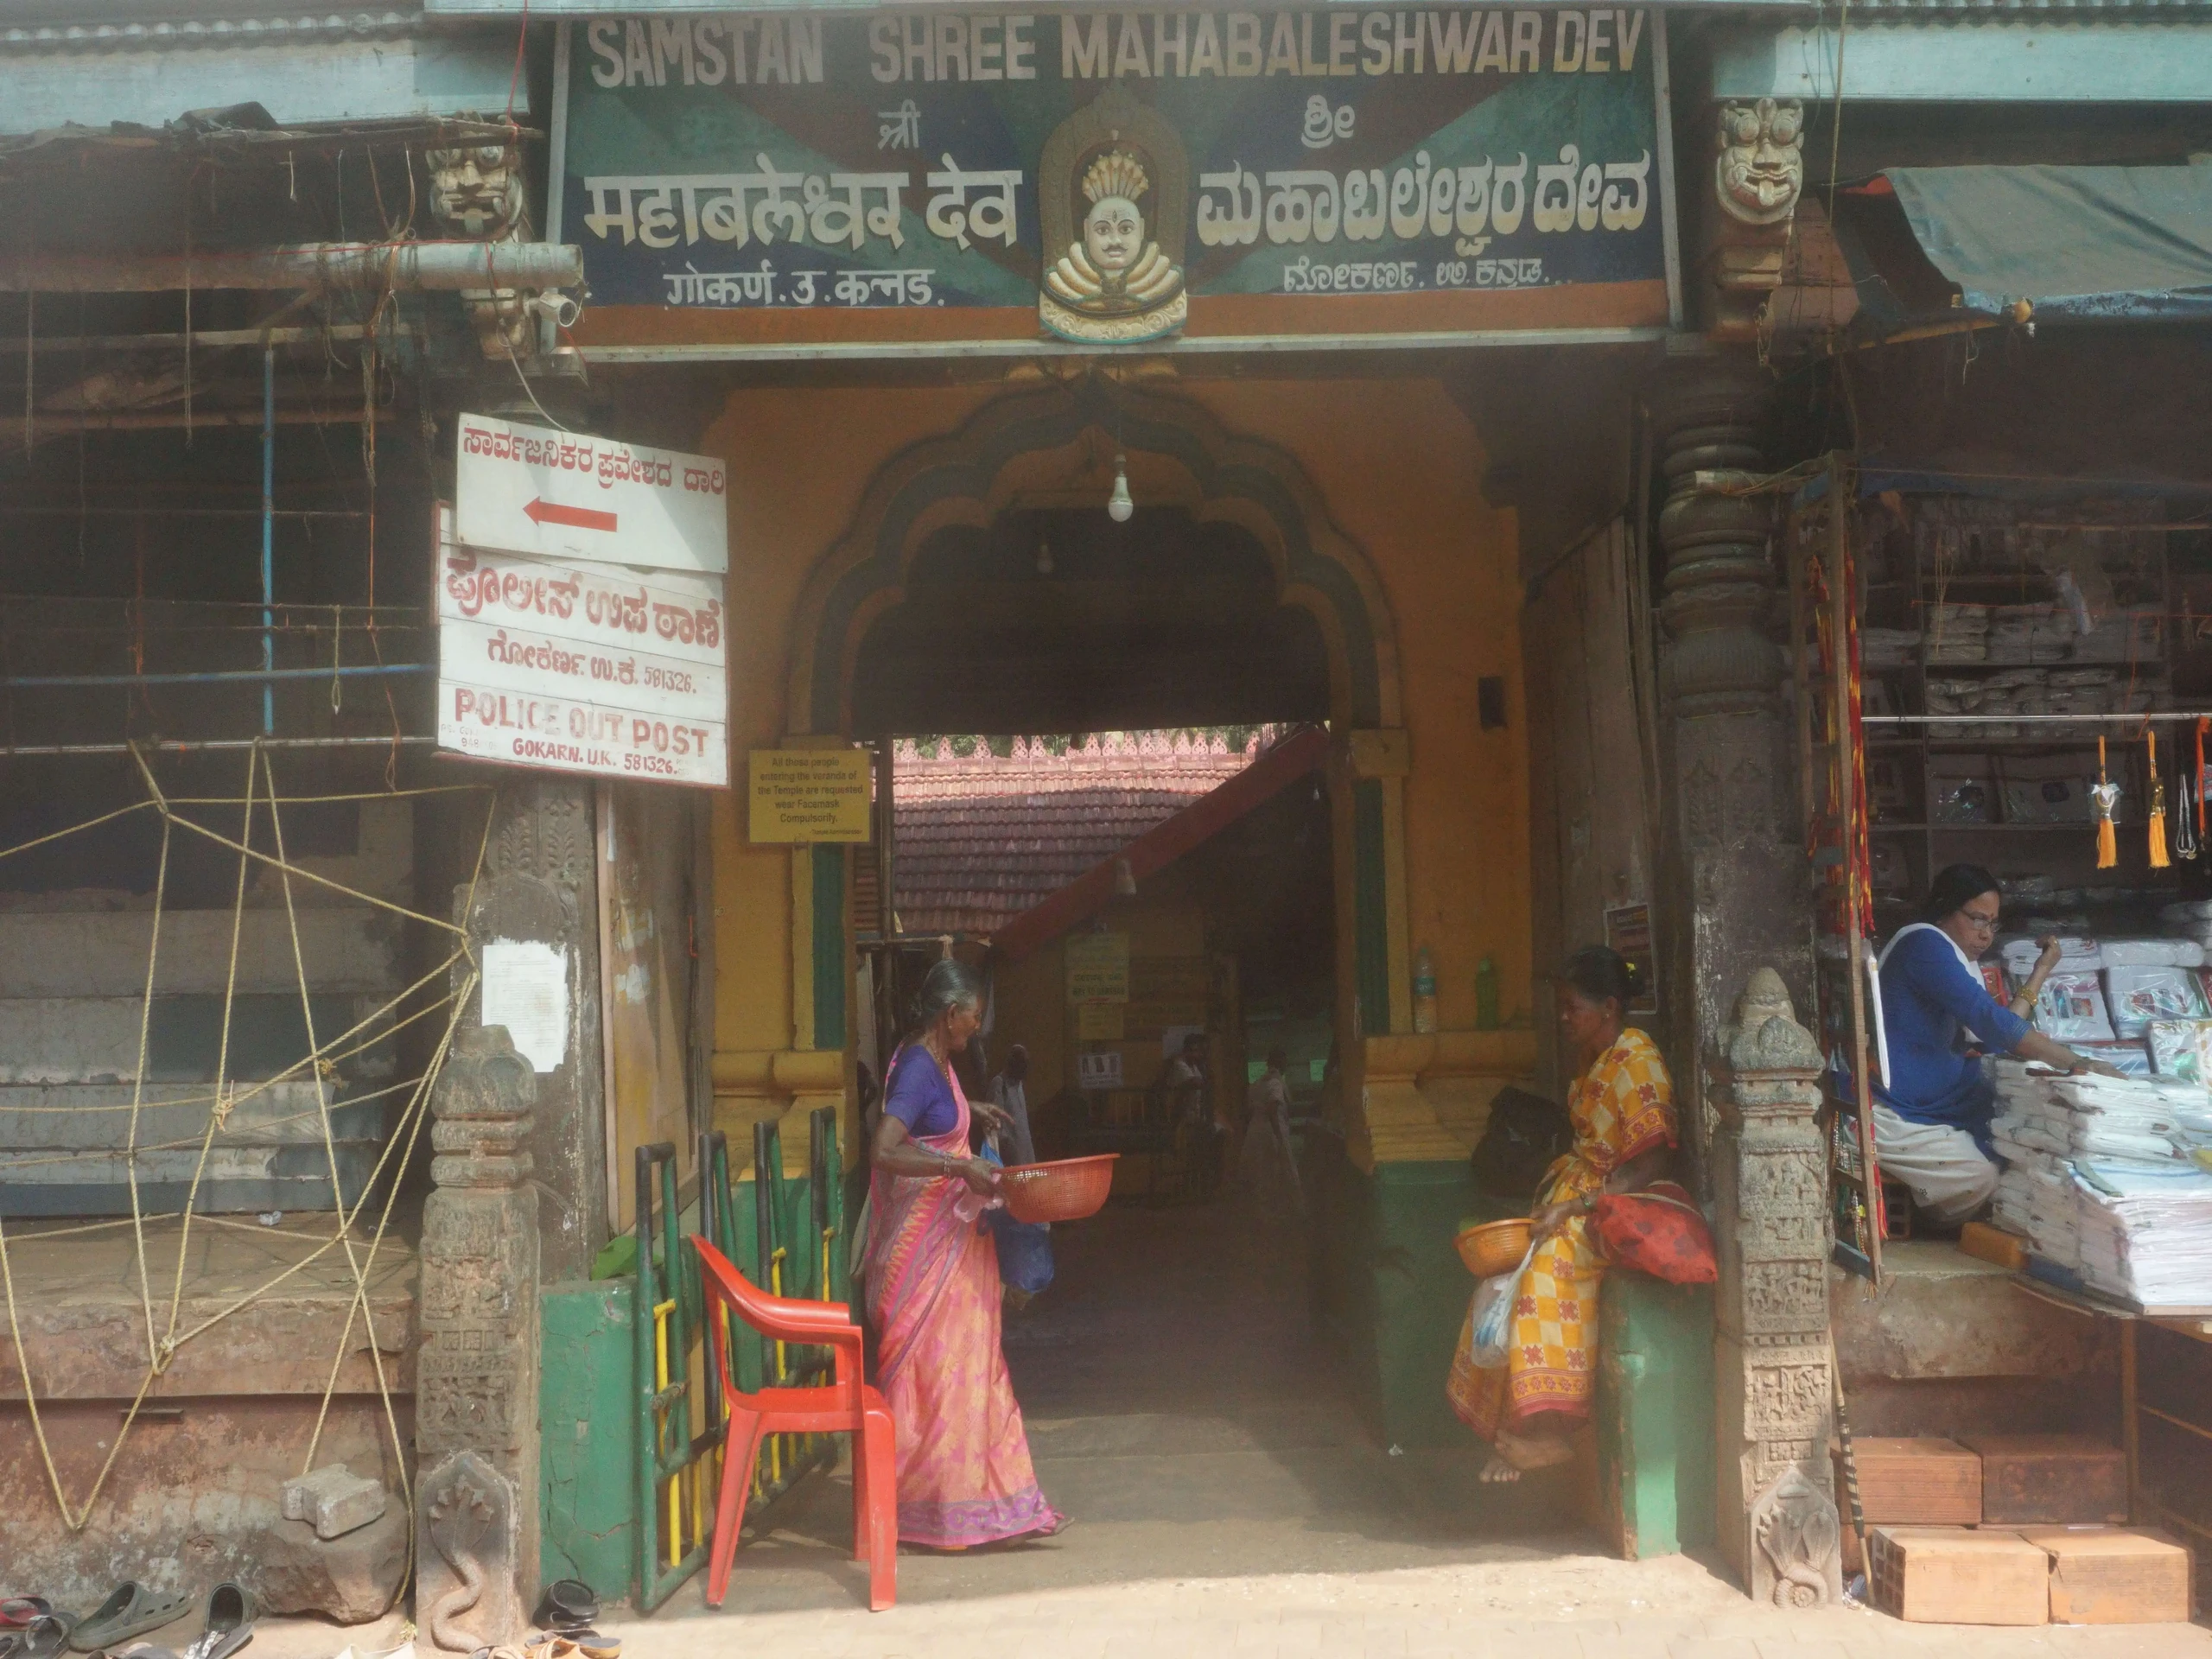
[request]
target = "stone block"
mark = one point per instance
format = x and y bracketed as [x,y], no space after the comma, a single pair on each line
[1944,1313]
[351,1578]
[333,1500]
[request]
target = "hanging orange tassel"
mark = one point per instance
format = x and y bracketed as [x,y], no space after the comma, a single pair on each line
[2158,859]
[2106,794]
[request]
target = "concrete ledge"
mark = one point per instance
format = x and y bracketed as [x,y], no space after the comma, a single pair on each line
[103,953]
[79,1299]
[1944,1313]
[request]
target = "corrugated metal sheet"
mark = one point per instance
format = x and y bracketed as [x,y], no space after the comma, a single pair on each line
[1779,8]
[45,24]
[378,66]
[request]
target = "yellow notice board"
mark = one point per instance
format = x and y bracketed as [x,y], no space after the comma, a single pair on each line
[803,795]
[1098,968]
[1098,1022]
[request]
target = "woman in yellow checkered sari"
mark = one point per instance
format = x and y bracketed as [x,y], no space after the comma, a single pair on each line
[1622,1110]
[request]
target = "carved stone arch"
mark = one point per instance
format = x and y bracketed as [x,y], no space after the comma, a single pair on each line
[1178,455]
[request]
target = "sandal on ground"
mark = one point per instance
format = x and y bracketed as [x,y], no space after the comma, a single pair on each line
[19,1611]
[132,1610]
[229,1623]
[594,1645]
[46,1637]
[568,1605]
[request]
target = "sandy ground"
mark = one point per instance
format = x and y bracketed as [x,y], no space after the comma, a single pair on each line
[1226,1500]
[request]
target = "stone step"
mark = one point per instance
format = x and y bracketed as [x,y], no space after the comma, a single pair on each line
[89,1117]
[236,1180]
[96,1039]
[103,953]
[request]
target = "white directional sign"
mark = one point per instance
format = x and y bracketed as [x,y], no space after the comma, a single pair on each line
[582,667]
[528,489]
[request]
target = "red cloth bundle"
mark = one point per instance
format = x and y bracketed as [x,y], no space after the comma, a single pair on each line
[1660,1231]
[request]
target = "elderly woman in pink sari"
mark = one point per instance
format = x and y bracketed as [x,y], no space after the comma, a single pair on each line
[964,1474]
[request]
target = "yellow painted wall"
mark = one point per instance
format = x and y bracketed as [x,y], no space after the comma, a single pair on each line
[1400,466]
[1397,465]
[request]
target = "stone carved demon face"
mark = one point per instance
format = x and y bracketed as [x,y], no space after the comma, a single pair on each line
[1762,165]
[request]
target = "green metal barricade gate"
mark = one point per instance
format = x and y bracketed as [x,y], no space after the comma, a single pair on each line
[790,1249]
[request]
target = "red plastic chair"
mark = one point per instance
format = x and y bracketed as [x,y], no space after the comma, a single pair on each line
[848,1405]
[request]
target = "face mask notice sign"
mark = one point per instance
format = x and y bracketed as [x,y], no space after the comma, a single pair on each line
[597,665]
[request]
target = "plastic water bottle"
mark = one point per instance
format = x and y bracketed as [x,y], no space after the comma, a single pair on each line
[1424,992]
[1486,994]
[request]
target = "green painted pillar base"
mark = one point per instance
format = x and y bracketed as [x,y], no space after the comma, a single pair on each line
[1391,1294]
[1655,1415]
[1420,1292]
[588,1437]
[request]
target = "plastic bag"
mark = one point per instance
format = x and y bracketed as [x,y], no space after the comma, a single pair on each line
[1493,1317]
[1024,1246]
[1025,1251]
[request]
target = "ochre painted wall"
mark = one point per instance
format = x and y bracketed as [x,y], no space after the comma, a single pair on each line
[1397,467]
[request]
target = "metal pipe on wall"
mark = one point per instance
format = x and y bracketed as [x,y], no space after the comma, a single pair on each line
[268,536]
[215,676]
[188,745]
[398,267]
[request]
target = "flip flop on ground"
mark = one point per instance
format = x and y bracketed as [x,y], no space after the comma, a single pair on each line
[132,1610]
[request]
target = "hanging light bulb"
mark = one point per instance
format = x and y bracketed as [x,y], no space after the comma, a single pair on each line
[1044,558]
[1120,505]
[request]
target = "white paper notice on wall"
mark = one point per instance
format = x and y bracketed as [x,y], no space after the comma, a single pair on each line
[1099,1068]
[527,990]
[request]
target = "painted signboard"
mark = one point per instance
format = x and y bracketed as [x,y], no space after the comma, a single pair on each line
[526,489]
[579,667]
[1097,968]
[809,794]
[1115,177]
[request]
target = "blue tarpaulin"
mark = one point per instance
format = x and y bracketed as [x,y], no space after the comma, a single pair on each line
[2079,244]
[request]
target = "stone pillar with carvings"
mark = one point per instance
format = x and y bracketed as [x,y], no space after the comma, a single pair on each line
[1736,872]
[539,888]
[1772,1361]
[476,1520]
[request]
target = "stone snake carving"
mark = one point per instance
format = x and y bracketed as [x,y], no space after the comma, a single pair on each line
[459,1516]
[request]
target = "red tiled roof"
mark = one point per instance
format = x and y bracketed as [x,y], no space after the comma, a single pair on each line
[982,838]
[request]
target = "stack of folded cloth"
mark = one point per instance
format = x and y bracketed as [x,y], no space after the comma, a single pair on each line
[1958,633]
[2033,1132]
[2124,1117]
[2049,1126]
[2190,919]
[2145,1230]
[1888,647]
[2119,637]
[2029,633]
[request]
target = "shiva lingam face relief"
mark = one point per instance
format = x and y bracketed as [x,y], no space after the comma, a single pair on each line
[1113,232]
[1114,283]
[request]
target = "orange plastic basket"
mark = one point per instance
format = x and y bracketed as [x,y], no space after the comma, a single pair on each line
[1067,1189]
[1495,1247]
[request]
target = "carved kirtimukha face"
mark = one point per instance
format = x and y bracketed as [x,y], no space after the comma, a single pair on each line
[1113,234]
[1762,166]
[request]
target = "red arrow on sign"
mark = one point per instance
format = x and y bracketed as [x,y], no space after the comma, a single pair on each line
[550,512]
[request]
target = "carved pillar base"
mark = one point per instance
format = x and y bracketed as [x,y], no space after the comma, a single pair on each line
[1774,1387]
[476,1381]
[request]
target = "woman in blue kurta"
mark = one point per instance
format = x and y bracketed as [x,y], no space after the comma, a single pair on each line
[1931,1119]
